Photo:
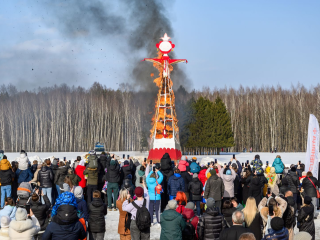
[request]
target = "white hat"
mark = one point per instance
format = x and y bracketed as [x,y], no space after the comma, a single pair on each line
[5,221]
[21,214]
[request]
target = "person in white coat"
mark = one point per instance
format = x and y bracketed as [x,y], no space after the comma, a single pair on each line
[4,230]
[24,228]
[228,175]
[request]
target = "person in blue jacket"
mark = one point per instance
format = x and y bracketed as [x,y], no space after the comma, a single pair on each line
[24,175]
[278,165]
[194,167]
[175,184]
[154,198]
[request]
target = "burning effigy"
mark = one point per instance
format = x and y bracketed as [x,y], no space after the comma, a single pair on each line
[164,133]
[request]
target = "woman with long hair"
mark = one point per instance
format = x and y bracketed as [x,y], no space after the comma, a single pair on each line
[67,185]
[181,199]
[245,185]
[124,217]
[252,217]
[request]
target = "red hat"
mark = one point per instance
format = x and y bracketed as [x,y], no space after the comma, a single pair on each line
[139,192]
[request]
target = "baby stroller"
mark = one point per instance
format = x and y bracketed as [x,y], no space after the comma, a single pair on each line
[24,194]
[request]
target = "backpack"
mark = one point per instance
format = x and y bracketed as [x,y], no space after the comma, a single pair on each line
[196,188]
[143,219]
[93,161]
[158,188]
[189,232]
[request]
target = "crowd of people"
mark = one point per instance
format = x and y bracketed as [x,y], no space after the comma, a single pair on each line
[186,199]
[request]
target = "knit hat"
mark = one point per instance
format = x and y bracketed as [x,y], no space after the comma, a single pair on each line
[307,200]
[112,162]
[5,221]
[21,214]
[228,172]
[195,175]
[139,192]
[183,158]
[211,203]
[126,162]
[213,172]
[277,223]
[172,204]
[190,205]
[194,158]
[78,192]
[302,236]
[293,169]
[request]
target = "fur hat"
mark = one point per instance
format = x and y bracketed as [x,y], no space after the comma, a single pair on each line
[21,214]
[211,203]
[190,205]
[277,223]
[139,191]
[5,221]
[195,175]
[172,204]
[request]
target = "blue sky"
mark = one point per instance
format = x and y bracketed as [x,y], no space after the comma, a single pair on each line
[227,43]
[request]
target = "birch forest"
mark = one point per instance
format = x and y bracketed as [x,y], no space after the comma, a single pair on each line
[63,118]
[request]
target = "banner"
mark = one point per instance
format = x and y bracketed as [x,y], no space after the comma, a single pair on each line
[312,156]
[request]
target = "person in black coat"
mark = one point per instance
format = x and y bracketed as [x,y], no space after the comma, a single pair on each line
[40,210]
[305,217]
[227,211]
[211,223]
[6,177]
[127,183]
[34,166]
[234,232]
[255,188]
[187,178]
[45,177]
[195,187]
[293,181]
[96,222]
[126,169]
[245,188]
[65,225]
[167,172]
[309,185]
[60,175]
[252,218]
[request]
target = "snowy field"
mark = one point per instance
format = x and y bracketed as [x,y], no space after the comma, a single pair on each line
[112,218]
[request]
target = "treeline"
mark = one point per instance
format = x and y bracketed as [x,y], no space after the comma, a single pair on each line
[63,118]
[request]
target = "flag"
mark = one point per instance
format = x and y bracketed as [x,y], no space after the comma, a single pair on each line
[312,155]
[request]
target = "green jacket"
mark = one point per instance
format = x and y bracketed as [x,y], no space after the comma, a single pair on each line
[172,225]
[92,176]
[75,179]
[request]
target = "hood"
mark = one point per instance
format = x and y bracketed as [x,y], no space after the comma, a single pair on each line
[152,180]
[170,215]
[21,226]
[203,172]
[177,176]
[272,170]
[277,161]
[113,167]
[44,169]
[188,213]
[81,167]
[212,211]
[165,162]
[97,202]
[195,179]
[228,178]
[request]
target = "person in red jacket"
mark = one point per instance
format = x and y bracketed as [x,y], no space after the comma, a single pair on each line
[202,175]
[181,199]
[79,171]
[189,216]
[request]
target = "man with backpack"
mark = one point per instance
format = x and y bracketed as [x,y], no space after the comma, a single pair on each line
[172,223]
[140,216]
[189,233]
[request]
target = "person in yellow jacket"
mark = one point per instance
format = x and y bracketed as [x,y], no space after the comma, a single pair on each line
[5,164]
